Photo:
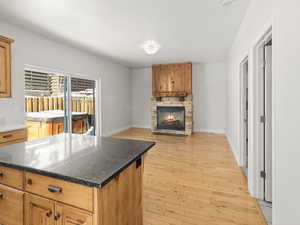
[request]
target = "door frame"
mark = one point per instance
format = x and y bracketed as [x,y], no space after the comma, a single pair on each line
[258,139]
[241,117]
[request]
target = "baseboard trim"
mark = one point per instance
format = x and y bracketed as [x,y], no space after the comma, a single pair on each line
[141,126]
[110,133]
[234,150]
[213,131]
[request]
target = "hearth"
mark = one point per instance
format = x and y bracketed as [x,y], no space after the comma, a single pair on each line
[171,118]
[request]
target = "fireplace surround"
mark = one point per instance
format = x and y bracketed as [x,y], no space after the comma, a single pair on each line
[171,115]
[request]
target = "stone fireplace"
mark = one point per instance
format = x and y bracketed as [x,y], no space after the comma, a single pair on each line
[171,115]
[171,102]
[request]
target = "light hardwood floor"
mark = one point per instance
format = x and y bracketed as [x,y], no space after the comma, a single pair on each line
[194,181]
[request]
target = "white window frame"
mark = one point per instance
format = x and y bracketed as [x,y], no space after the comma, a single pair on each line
[98,114]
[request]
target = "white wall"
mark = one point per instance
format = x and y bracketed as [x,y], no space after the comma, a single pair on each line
[256,21]
[284,15]
[141,97]
[286,44]
[209,97]
[33,49]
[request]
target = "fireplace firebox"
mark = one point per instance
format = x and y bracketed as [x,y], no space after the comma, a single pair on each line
[171,118]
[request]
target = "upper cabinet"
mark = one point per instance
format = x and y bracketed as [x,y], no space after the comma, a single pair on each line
[172,80]
[5,67]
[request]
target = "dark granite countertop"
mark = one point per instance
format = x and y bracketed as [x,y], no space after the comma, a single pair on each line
[87,160]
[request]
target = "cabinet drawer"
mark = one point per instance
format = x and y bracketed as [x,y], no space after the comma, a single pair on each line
[11,177]
[14,135]
[11,206]
[59,190]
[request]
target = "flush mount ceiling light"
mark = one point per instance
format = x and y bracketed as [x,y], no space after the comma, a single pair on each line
[151,47]
[226,2]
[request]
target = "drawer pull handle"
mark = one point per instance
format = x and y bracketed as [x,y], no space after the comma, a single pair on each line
[1,175]
[8,136]
[57,216]
[1,197]
[54,189]
[48,213]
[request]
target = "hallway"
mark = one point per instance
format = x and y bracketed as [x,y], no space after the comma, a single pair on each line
[194,181]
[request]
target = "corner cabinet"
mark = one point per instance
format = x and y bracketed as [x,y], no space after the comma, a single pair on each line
[5,67]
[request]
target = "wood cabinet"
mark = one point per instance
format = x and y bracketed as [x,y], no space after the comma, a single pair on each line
[11,206]
[172,80]
[70,193]
[5,67]
[124,192]
[67,215]
[48,201]
[14,136]
[38,210]
[42,211]
[11,177]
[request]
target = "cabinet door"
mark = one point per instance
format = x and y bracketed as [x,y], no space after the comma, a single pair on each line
[4,69]
[67,215]
[38,211]
[11,206]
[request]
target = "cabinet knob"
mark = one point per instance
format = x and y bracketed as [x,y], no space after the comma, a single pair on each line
[48,213]
[29,181]
[1,197]
[1,175]
[57,216]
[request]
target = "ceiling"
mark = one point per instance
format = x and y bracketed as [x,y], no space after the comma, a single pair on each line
[190,30]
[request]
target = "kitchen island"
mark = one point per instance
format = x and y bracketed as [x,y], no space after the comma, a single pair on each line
[72,179]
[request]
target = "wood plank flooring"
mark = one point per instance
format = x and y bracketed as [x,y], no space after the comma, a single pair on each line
[194,180]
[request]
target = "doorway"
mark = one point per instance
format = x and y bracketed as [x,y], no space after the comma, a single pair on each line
[261,140]
[266,120]
[264,123]
[244,113]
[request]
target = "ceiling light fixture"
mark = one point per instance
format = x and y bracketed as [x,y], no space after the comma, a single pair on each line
[151,47]
[226,2]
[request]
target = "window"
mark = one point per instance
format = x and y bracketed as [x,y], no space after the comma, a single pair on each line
[57,103]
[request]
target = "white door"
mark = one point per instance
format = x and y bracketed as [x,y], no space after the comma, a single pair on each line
[268,122]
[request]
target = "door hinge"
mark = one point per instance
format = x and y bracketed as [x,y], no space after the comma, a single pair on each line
[263,174]
[262,119]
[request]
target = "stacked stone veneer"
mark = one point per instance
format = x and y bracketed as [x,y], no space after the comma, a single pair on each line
[173,101]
